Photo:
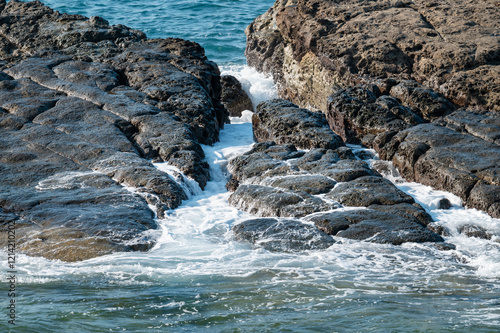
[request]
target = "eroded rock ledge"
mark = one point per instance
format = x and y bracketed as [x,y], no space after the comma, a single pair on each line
[84,109]
[326,187]
[450,46]
[416,80]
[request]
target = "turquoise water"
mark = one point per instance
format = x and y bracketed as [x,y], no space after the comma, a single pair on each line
[199,279]
[217,25]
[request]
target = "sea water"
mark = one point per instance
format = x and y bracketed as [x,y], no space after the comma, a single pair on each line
[199,279]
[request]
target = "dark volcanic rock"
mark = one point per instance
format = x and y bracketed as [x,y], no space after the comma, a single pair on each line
[474,231]
[312,184]
[358,116]
[84,108]
[484,125]
[426,102]
[376,226]
[279,181]
[268,201]
[440,157]
[314,47]
[283,122]
[233,97]
[380,69]
[366,191]
[282,235]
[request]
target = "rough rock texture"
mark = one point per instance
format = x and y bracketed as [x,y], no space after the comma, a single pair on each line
[84,108]
[456,162]
[312,47]
[392,226]
[380,70]
[278,181]
[233,97]
[458,152]
[282,235]
[283,122]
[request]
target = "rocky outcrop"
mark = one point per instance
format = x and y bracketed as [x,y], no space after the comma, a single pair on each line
[459,163]
[283,122]
[84,109]
[233,97]
[331,187]
[393,225]
[313,48]
[457,152]
[283,235]
[417,81]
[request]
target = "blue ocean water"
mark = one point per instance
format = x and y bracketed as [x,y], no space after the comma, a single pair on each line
[199,279]
[217,25]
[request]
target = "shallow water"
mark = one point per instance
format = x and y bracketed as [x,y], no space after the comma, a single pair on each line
[198,278]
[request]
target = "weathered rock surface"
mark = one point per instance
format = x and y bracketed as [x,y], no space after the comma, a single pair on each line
[279,181]
[233,97]
[314,47]
[284,235]
[381,70]
[392,226]
[440,157]
[283,122]
[84,108]
[456,152]
[369,190]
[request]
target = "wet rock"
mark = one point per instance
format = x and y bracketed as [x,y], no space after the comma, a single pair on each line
[484,125]
[233,97]
[439,229]
[369,190]
[374,226]
[312,184]
[283,122]
[445,159]
[426,102]
[84,109]
[379,70]
[314,47]
[267,160]
[358,116]
[65,211]
[24,98]
[406,210]
[283,235]
[268,201]
[276,182]
[444,204]
[474,231]
[327,163]
[232,185]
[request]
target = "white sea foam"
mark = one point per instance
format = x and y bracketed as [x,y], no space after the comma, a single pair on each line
[66,180]
[190,186]
[259,87]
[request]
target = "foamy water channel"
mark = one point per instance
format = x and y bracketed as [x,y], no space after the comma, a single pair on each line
[198,278]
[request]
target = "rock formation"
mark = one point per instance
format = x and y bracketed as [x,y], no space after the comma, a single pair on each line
[416,80]
[327,185]
[314,47]
[84,109]
[233,97]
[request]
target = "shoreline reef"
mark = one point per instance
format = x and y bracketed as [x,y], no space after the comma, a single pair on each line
[86,108]
[417,81]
